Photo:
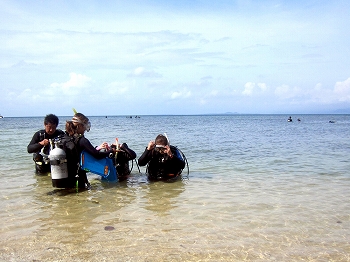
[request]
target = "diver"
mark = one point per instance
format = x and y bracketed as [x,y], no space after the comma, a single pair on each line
[122,157]
[164,160]
[75,130]
[40,145]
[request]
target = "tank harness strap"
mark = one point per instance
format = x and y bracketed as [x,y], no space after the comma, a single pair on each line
[56,162]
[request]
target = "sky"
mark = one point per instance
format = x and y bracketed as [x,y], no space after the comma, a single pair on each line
[181,57]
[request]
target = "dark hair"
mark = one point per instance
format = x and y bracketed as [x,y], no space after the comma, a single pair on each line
[51,119]
[161,140]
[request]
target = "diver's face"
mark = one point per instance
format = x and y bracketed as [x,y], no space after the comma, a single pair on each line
[50,128]
[161,149]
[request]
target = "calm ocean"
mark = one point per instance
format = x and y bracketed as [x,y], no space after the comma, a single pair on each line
[259,189]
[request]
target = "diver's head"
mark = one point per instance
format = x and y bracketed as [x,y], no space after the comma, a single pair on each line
[161,144]
[50,123]
[79,124]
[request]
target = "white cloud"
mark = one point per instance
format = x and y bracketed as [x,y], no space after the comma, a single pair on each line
[317,95]
[262,86]
[286,92]
[342,90]
[119,88]
[143,72]
[251,87]
[248,88]
[321,95]
[26,94]
[73,86]
[282,91]
[187,58]
[181,94]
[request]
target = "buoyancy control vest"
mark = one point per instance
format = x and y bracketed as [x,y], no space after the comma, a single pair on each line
[161,165]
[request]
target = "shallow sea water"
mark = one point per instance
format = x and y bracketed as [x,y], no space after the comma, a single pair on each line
[259,189]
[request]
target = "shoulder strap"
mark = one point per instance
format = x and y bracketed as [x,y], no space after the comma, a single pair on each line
[41,135]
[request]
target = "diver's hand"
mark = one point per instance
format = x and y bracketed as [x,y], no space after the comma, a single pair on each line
[168,151]
[104,145]
[114,146]
[44,142]
[151,145]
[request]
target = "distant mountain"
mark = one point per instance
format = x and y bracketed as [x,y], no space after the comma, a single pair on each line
[342,111]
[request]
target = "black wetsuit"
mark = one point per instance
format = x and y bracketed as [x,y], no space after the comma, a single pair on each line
[161,165]
[122,160]
[73,160]
[35,148]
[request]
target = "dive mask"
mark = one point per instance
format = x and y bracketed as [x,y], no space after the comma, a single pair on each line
[160,148]
[87,125]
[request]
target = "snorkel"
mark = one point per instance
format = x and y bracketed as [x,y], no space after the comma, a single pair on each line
[167,138]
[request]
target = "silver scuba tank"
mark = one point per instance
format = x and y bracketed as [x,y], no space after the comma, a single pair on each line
[59,170]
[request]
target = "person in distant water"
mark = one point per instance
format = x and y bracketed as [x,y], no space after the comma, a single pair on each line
[40,144]
[164,161]
[290,119]
[121,161]
[75,129]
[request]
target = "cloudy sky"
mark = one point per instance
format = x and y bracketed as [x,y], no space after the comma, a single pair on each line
[141,57]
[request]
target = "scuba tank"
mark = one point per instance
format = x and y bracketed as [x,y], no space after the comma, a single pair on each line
[59,169]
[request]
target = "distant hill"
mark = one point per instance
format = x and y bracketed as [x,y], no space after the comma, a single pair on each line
[342,111]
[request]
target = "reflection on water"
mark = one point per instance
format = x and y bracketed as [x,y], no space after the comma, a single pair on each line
[236,218]
[162,197]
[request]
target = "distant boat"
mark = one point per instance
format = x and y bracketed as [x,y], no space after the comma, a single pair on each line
[1,116]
